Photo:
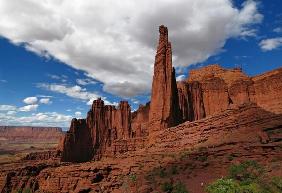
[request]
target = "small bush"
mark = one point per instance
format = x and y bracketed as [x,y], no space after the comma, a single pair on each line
[167,187]
[246,172]
[174,170]
[202,158]
[247,177]
[179,188]
[162,173]
[230,157]
[133,178]
[27,190]
[223,186]
[277,182]
[252,188]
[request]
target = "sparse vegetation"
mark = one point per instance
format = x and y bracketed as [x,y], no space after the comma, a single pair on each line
[246,172]
[167,187]
[178,187]
[247,177]
[277,182]
[27,190]
[133,178]
[231,157]
[202,158]
[162,173]
[174,170]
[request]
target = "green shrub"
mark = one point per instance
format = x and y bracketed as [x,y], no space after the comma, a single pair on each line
[167,187]
[27,190]
[247,177]
[174,170]
[179,188]
[252,188]
[202,158]
[246,172]
[133,178]
[162,173]
[230,157]
[223,186]
[277,182]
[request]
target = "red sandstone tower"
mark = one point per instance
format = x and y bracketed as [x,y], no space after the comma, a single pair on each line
[164,108]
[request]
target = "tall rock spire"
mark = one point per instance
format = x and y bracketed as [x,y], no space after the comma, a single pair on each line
[164,108]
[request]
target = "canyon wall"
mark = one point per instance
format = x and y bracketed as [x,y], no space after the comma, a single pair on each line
[219,89]
[268,90]
[30,134]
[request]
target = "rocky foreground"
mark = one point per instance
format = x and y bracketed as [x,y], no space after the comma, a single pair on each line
[194,153]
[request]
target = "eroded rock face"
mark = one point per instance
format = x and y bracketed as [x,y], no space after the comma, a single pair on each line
[78,143]
[218,89]
[164,109]
[30,134]
[191,100]
[268,90]
[90,138]
[140,120]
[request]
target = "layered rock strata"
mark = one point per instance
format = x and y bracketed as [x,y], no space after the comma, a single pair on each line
[218,89]
[30,134]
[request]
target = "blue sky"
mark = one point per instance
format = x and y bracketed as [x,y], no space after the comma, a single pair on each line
[56,57]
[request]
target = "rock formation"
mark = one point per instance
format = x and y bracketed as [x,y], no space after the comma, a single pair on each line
[140,120]
[77,144]
[267,89]
[30,134]
[110,130]
[91,137]
[225,88]
[164,109]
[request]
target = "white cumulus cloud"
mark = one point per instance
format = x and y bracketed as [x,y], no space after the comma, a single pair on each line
[37,119]
[78,113]
[7,108]
[270,44]
[45,101]
[30,100]
[114,41]
[86,81]
[278,30]
[28,108]
[11,112]
[74,92]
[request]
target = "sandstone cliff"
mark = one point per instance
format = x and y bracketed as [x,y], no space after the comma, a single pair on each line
[140,120]
[91,137]
[30,134]
[219,89]
[164,109]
